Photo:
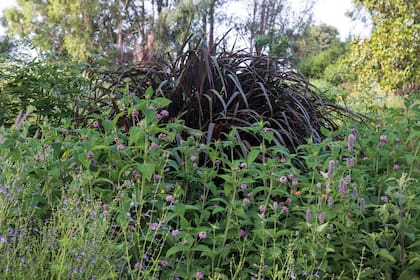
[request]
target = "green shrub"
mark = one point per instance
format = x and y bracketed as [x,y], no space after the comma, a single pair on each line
[152,202]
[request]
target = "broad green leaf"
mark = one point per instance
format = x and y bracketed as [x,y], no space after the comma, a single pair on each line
[322,228]
[176,249]
[147,170]
[386,255]
[252,155]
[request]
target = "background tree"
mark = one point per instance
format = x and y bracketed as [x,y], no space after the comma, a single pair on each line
[273,26]
[318,48]
[390,57]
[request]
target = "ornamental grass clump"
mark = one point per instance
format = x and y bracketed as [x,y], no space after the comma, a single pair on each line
[216,93]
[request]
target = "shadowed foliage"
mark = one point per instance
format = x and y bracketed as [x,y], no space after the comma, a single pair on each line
[228,90]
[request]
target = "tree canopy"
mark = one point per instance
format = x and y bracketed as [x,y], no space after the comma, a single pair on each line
[390,57]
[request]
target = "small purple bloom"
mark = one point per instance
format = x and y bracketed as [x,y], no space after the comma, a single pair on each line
[384,198]
[242,233]
[169,198]
[158,116]
[355,193]
[321,218]
[308,215]
[127,183]
[383,138]
[330,200]
[291,176]
[275,205]
[120,147]
[362,204]
[285,209]
[164,263]
[199,275]
[202,235]
[157,176]
[396,167]
[135,113]
[89,154]
[193,158]
[243,165]
[136,175]
[164,113]
[295,182]
[153,226]
[342,186]
[95,124]
[283,179]
[245,201]
[154,146]
[350,142]
[174,232]
[131,228]
[250,194]
[331,167]
[137,265]
[116,139]
[262,208]
[243,186]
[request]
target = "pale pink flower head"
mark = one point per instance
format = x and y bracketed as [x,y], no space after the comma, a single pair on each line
[135,113]
[396,167]
[164,263]
[283,179]
[95,124]
[89,154]
[245,201]
[308,215]
[136,175]
[153,226]
[321,218]
[262,209]
[384,198]
[164,113]
[202,235]
[362,204]
[383,138]
[199,275]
